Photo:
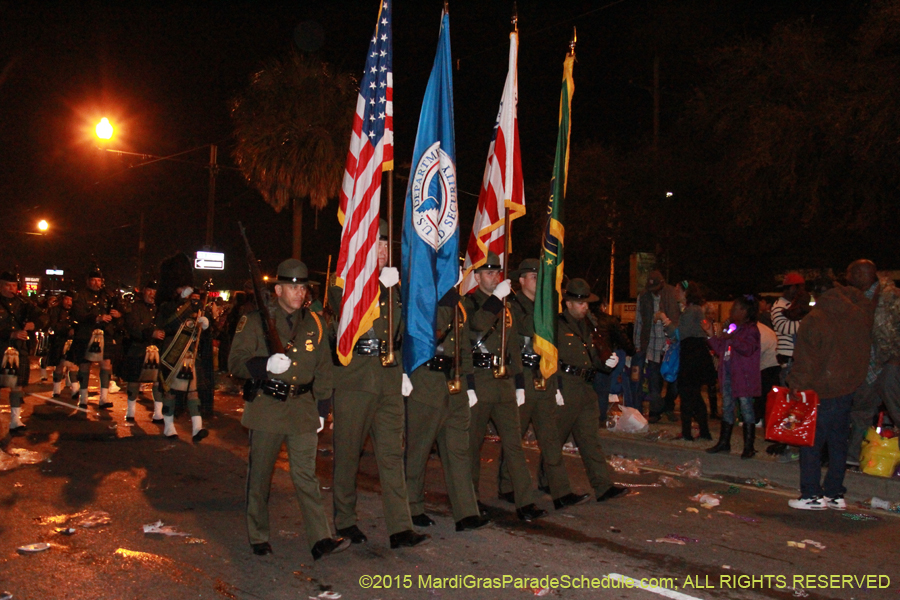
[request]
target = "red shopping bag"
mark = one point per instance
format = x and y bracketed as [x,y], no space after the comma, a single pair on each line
[791,419]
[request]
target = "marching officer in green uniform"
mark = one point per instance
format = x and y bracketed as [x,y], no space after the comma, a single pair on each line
[540,407]
[140,327]
[18,316]
[95,309]
[435,414]
[368,402]
[496,399]
[579,412]
[61,328]
[280,407]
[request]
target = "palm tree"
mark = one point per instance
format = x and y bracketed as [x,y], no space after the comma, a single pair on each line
[292,125]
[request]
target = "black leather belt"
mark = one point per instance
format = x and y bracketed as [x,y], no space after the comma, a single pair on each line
[531,361]
[373,347]
[444,364]
[484,360]
[276,389]
[585,373]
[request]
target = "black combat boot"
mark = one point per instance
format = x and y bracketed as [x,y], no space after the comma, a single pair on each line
[749,439]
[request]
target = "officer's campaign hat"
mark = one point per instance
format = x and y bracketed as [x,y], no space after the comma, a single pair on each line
[382,230]
[95,272]
[579,291]
[491,264]
[151,285]
[529,265]
[292,271]
[9,276]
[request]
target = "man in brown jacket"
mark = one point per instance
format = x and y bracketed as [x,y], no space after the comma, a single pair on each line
[831,357]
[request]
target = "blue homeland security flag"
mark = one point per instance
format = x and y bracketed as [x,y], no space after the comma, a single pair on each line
[430,256]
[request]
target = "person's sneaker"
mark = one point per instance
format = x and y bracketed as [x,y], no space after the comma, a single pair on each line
[788,456]
[807,504]
[836,503]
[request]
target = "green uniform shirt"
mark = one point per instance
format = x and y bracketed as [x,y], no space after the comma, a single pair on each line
[523,310]
[310,356]
[576,347]
[485,328]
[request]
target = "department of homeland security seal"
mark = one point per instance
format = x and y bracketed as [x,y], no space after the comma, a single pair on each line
[435,213]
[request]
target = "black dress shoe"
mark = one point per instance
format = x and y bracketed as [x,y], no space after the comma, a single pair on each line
[353,534]
[156,420]
[200,435]
[129,419]
[261,549]
[570,499]
[422,520]
[613,492]
[508,496]
[530,512]
[327,546]
[20,430]
[105,406]
[472,523]
[55,396]
[408,539]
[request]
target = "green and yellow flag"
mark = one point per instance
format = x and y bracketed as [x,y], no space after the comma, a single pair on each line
[547,302]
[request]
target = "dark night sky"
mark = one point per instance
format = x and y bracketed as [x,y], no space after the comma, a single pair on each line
[165,73]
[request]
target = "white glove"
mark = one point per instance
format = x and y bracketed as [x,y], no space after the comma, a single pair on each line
[203,322]
[321,424]
[520,397]
[503,289]
[612,361]
[559,399]
[473,399]
[459,281]
[278,363]
[406,387]
[187,292]
[389,277]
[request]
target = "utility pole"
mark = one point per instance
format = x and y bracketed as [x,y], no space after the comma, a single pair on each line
[211,203]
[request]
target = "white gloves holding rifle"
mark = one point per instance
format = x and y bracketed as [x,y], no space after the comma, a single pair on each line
[278,363]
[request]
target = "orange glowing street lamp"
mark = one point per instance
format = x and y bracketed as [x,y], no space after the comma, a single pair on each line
[43,225]
[104,129]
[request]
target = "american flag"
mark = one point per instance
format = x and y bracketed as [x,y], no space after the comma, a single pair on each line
[502,187]
[371,153]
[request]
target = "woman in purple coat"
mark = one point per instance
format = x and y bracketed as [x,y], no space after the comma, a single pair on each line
[738,349]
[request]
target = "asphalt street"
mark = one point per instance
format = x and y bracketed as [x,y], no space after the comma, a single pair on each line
[106,480]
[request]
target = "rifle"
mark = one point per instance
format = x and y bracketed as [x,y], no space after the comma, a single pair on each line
[273,342]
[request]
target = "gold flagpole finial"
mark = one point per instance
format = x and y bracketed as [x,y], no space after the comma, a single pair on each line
[515,18]
[572,42]
[446,7]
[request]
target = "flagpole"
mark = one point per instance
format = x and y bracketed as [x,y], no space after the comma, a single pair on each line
[500,371]
[388,359]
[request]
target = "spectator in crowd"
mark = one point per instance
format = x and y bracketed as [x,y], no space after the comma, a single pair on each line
[656,305]
[785,323]
[618,379]
[770,370]
[738,349]
[883,377]
[696,366]
[831,357]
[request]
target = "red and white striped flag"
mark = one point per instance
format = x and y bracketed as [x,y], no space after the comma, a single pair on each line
[371,153]
[502,187]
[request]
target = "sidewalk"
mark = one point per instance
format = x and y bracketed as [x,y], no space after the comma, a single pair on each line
[661,445]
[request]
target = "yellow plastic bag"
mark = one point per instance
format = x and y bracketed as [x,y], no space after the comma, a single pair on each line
[880,455]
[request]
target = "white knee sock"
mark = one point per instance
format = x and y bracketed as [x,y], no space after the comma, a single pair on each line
[104,396]
[196,424]
[129,412]
[170,426]
[15,419]
[157,411]
[57,387]
[82,400]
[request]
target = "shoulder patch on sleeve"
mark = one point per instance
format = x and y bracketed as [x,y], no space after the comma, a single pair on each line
[241,323]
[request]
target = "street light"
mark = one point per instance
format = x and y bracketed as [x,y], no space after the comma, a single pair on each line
[43,225]
[104,129]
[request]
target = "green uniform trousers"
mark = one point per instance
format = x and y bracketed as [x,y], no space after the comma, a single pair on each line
[580,418]
[540,410]
[301,451]
[441,418]
[358,415]
[497,403]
